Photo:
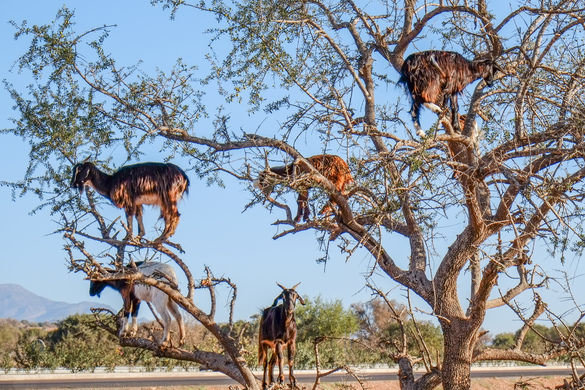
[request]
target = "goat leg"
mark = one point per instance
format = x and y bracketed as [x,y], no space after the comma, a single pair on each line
[133,327]
[302,207]
[130,223]
[133,312]
[123,325]
[455,114]
[171,218]
[291,351]
[280,359]
[271,368]
[415,113]
[166,320]
[263,361]
[174,309]
[141,230]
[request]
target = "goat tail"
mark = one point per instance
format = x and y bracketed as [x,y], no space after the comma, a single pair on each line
[403,79]
[261,354]
[186,179]
[261,349]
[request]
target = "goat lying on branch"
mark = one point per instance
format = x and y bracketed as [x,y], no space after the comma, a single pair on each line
[332,167]
[278,329]
[133,293]
[433,77]
[134,185]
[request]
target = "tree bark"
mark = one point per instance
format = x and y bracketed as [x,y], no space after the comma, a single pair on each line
[458,350]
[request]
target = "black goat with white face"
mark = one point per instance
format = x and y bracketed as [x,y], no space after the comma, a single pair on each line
[435,76]
[133,293]
[278,329]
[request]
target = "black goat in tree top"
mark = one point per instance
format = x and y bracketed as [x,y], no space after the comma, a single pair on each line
[433,77]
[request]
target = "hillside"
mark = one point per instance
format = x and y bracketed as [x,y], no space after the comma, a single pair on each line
[18,303]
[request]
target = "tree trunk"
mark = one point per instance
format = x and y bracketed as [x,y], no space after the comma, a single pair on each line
[458,340]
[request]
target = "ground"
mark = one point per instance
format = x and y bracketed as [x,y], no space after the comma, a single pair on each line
[528,383]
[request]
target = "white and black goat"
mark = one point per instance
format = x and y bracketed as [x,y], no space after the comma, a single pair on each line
[134,293]
[332,167]
[134,185]
[278,329]
[433,77]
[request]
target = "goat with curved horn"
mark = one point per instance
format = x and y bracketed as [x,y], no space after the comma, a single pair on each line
[433,77]
[278,329]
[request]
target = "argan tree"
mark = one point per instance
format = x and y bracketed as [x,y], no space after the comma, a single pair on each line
[326,72]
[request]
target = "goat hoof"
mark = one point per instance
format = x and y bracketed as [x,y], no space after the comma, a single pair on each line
[164,344]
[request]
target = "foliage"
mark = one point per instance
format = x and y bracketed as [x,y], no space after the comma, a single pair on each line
[503,340]
[76,343]
[317,319]
[382,331]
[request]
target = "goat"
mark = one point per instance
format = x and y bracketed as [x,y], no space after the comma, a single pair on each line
[433,77]
[278,329]
[134,185]
[133,293]
[334,168]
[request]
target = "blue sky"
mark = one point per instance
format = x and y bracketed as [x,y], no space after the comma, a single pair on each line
[213,230]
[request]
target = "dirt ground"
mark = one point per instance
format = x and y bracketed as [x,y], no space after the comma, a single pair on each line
[528,383]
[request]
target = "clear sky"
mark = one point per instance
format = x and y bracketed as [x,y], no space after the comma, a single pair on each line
[213,230]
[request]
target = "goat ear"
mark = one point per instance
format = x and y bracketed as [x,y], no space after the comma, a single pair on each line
[281,286]
[301,300]
[275,302]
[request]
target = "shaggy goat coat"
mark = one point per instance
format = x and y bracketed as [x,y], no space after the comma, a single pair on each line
[332,167]
[132,186]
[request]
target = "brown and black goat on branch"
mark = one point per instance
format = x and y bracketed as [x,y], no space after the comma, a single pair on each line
[332,167]
[433,77]
[278,329]
[134,185]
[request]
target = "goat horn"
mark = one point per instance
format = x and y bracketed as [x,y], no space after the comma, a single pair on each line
[295,286]
[86,159]
[281,286]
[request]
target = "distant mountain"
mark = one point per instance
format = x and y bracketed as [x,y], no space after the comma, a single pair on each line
[20,304]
